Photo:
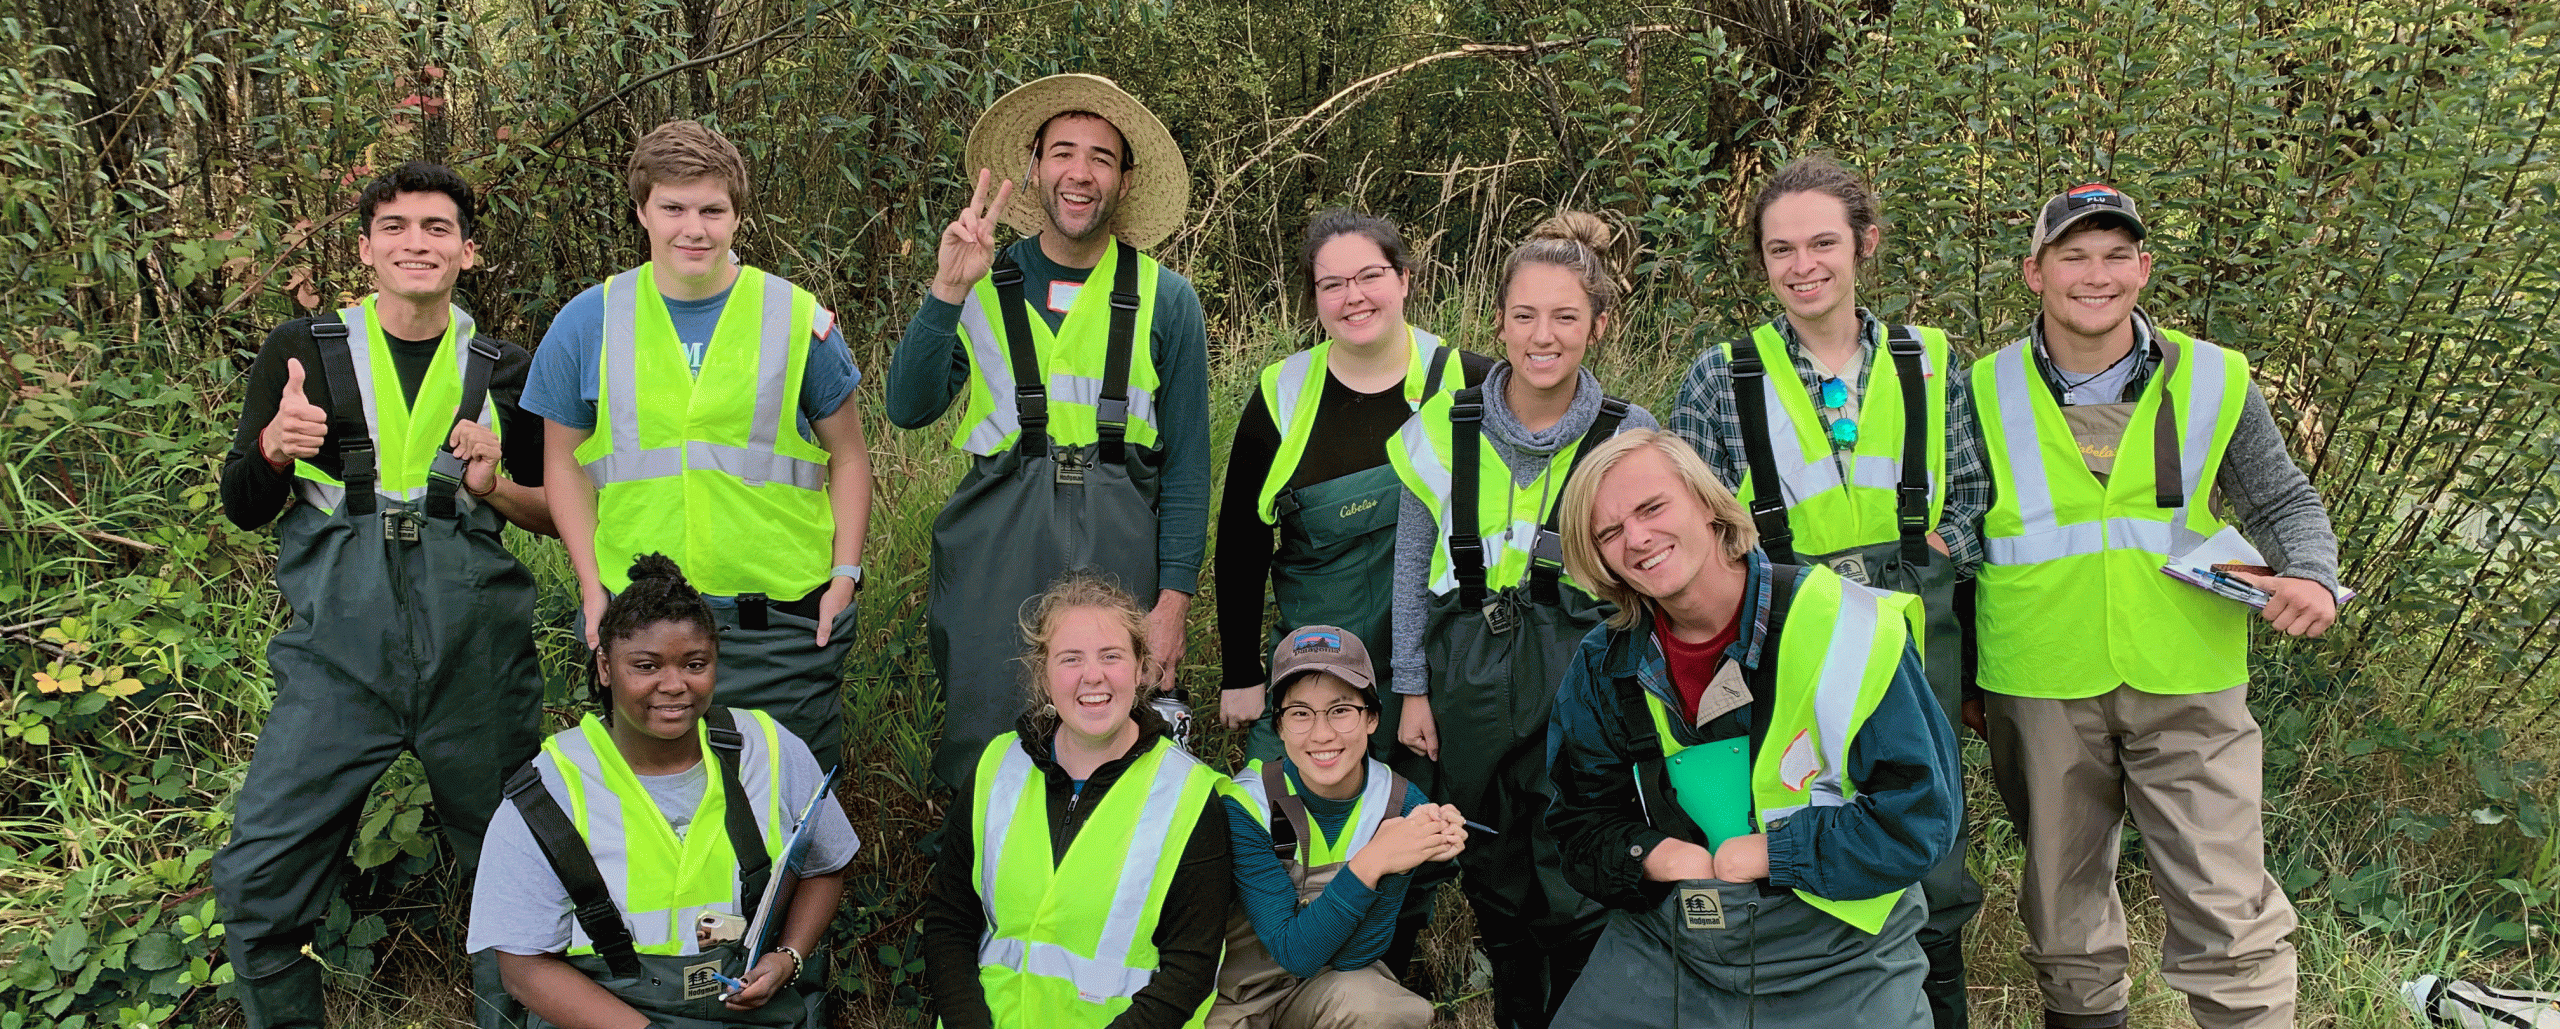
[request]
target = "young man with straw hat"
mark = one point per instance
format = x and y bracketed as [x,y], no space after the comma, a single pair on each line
[1084,365]
[2111,688]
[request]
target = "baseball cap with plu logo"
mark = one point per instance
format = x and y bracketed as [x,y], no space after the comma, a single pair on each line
[2079,204]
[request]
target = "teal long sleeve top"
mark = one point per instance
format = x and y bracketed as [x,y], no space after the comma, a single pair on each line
[1347,926]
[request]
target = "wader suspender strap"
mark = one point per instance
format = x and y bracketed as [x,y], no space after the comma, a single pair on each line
[1439,367]
[1030,390]
[2168,478]
[1768,493]
[1466,510]
[1764,679]
[561,845]
[1111,415]
[1546,560]
[444,475]
[1652,778]
[754,865]
[1911,495]
[346,415]
[1290,830]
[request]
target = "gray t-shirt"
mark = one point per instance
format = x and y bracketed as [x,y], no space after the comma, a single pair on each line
[518,905]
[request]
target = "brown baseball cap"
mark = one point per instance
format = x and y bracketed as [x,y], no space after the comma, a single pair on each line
[2081,203]
[1324,648]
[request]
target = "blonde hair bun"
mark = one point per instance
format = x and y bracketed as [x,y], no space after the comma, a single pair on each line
[1581,227]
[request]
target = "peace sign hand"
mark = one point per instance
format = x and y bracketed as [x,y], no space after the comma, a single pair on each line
[969,242]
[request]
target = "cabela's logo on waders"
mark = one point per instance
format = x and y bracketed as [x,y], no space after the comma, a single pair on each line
[702,980]
[1356,507]
[1701,908]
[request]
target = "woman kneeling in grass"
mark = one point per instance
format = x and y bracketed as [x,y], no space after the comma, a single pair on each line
[1325,843]
[642,809]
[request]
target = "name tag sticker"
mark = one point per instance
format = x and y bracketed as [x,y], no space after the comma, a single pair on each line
[1701,909]
[1062,295]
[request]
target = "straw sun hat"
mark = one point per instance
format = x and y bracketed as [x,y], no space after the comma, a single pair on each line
[1159,187]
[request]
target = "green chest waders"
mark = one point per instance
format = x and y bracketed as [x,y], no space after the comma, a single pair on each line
[1024,516]
[675,991]
[1336,566]
[1730,954]
[1252,987]
[1906,564]
[1495,658]
[412,630]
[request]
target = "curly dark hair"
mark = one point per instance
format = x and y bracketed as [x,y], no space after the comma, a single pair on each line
[658,593]
[417,177]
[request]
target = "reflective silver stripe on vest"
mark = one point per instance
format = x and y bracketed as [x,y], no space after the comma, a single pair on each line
[327,496]
[756,467]
[995,368]
[756,463]
[1107,974]
[2041,537]
[604,821]
[1295,372]
[620,353]
[1805,476]
[1835,697]
[1375,804]
[1012,777]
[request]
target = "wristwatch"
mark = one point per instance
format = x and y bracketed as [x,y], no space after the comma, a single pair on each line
[853,572]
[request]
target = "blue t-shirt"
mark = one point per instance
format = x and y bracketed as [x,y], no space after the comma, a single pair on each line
[562,384]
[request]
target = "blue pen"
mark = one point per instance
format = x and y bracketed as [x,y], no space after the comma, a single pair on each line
[734,985]
[1482,828]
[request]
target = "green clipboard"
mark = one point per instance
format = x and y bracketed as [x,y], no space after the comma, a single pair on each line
[1712,782]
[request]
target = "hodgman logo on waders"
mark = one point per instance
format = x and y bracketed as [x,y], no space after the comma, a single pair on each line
[702,980]
[1701,908]
[1852,568]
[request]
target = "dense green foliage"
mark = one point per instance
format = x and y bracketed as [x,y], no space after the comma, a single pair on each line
[2360,195]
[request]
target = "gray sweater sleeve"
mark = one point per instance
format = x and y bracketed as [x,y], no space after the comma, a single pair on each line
[2272,502]
[1416,538]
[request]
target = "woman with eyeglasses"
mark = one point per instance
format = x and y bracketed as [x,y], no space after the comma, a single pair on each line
[1852,444]
[1486,620]
[1310,460]
[1325,840]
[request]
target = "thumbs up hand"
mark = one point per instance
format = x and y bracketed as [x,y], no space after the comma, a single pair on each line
[299,425]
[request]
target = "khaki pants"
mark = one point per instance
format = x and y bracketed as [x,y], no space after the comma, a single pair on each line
[2187,768]
[1367,997]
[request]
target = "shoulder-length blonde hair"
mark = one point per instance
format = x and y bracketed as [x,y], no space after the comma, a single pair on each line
[1582,496]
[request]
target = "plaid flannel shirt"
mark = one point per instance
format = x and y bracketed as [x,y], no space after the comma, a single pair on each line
[1704,414]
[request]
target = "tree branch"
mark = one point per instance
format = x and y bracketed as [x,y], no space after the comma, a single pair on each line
[682,66]
[1350,96]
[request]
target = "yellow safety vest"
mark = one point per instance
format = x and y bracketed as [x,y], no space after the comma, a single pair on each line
[1072,359]
[1827,514]
[711,470]
[1374,805]
[2073,602]
[1293,387]
[1069,941]
[663,884]
[1827,686]
[404,442]
[1511,515]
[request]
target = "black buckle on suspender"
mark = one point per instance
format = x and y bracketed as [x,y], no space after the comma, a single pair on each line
[444,480]
[1911,492]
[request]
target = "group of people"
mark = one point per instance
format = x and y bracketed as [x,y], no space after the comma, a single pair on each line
[1676,704]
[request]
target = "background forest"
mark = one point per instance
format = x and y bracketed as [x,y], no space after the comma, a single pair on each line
[2360,194]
